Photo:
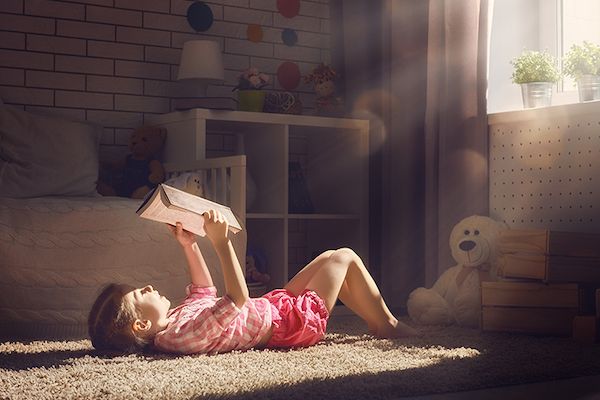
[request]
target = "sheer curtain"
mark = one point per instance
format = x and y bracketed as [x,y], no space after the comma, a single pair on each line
[417,70]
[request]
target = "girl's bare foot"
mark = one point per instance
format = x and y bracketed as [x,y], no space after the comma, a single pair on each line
[395,329]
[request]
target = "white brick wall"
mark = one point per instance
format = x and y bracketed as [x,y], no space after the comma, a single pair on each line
[114,61]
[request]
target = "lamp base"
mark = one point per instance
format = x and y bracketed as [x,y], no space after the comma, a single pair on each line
[213,103]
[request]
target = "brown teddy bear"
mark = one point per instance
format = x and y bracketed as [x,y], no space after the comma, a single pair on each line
[140,171]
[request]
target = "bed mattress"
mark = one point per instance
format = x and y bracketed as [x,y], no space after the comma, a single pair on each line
[56,253]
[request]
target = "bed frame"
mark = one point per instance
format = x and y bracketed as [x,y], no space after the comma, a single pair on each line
[219,175]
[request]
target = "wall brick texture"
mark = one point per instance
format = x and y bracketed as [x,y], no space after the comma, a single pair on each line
[114,62]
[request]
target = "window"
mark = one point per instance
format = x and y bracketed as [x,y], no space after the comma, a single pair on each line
[552,25]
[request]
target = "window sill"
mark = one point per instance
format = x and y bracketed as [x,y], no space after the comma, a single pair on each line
[565,110]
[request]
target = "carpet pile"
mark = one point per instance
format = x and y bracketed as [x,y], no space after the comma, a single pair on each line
[348,364]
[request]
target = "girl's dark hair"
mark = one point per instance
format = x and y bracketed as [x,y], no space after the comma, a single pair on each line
[111,319]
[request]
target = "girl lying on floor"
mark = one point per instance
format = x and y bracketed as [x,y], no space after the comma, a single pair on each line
[132,319]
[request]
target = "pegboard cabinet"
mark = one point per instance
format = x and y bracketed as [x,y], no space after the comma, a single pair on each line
[545,168]
[334,161]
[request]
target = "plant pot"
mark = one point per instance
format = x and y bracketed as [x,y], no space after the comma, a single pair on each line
[589,88]
[536,94]
[251,100]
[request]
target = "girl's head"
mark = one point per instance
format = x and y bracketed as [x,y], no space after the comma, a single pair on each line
[127,319]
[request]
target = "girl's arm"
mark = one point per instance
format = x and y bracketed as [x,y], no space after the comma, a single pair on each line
[199,273]
[235,284]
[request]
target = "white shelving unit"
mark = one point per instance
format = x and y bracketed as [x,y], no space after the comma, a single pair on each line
[335,168]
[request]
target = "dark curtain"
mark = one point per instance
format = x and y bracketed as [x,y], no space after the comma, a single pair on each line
[455,123]
[417,70]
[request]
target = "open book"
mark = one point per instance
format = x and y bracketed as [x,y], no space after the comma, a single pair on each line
[168,204]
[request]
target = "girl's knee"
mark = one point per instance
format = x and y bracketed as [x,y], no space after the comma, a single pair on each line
[326,254]
[343,255]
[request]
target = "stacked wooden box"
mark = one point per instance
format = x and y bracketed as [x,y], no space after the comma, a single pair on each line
[548,284]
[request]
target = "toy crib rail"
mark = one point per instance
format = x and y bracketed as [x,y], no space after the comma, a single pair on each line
[223,180]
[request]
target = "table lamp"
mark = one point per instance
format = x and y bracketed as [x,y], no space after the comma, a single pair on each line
[201,63]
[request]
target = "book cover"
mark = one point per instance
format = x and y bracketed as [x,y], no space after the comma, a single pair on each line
[298,197]
[170,205]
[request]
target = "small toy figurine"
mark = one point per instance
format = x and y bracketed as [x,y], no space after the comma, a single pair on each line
[324,78]
[256,266]
[252,79]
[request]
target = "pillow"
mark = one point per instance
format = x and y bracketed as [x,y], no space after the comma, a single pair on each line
[42,155]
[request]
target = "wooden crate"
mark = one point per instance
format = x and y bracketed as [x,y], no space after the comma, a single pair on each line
[536,321]
[549,268]
[554,243]
[529,307]
[585,329]
[530,294]
[549,256]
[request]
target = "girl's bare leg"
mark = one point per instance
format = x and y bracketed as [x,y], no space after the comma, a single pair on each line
[342,273]
[299,282]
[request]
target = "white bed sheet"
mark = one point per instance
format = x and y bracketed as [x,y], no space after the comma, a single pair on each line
[56,253]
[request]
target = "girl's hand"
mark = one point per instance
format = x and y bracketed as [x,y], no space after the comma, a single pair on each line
[215,226]
[185,238]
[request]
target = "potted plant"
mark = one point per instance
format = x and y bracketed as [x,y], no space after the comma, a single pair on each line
[536,72]
[582,63]
[250,95]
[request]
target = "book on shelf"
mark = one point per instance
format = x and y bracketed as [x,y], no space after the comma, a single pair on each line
[298,196]
[170,205]
[213,103]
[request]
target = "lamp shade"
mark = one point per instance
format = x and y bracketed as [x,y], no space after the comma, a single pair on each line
[201,59]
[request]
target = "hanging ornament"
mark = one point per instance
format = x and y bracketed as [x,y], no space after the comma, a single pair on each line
[288,8]
[254,33]
[288,75]
[200,16]
[289,37]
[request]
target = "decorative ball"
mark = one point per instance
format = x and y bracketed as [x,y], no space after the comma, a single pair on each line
[288,75]
[200,16]
[288,8]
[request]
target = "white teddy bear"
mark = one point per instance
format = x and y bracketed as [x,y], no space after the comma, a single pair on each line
[456,295]
[191,182]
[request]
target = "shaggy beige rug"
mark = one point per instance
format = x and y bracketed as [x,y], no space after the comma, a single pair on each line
[348,364]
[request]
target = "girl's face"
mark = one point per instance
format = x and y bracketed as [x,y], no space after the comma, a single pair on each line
[149,304]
